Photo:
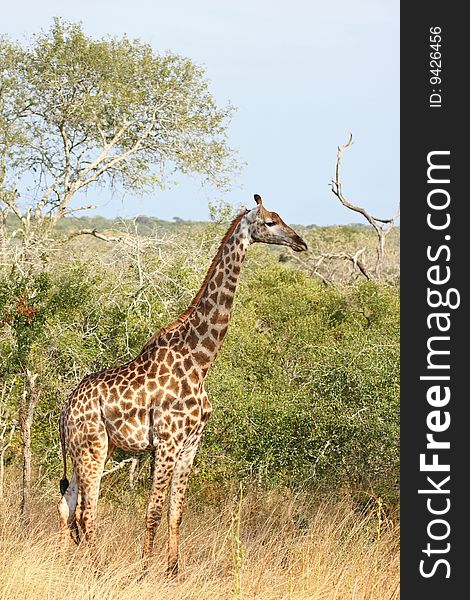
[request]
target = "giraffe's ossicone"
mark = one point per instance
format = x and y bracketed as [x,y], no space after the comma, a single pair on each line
[157,401]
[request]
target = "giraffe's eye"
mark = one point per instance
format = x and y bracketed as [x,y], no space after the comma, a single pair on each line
[270,223]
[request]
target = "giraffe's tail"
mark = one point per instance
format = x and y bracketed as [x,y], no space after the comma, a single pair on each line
[64,482]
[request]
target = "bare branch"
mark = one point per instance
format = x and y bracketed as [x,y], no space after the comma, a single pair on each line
[354,258]
[119,466]
[382,226]
[94,233]
[70,211]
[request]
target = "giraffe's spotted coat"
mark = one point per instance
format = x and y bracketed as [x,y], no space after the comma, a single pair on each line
[157,401]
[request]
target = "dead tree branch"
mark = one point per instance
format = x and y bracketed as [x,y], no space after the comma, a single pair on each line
[94,233]
[316,262]
[381,226]
[132,462]
[353,258]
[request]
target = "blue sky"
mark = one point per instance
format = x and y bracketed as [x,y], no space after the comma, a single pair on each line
[302,74]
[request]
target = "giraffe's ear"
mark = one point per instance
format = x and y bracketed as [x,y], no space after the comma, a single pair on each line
[258,199]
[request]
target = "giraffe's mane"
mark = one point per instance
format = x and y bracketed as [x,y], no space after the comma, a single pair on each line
[184,316]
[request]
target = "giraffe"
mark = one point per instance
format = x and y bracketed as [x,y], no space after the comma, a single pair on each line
[157,401]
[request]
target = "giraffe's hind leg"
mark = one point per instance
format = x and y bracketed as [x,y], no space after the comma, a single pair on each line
[78,509]
[67,507]
[89,471]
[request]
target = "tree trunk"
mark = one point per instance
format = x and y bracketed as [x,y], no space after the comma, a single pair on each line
[380,254]
[26,414]
[2,472]
[4,445]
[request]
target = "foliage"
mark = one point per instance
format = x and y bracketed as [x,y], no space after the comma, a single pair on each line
[308,385]
[305,390]
[102,111]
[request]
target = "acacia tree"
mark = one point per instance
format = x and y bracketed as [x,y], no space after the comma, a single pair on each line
[77,112]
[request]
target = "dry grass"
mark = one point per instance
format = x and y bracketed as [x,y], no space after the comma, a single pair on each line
[266,547]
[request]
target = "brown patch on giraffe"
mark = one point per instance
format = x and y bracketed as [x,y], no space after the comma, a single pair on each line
[125,430]
[193,339]
[193,376]
[113,412]
[202,329]
[206,307]
[133,422]
[161,354]
[173,386]
[219,278]
[220,318]
[185,388]
[179,371]
[152,369]
[128,394]
[163,369]
[201,358]
[209,344]
[138,382]
[225,299]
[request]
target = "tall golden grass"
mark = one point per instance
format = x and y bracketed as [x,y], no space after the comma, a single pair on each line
[261,546]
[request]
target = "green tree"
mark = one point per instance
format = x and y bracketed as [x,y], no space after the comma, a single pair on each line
[107,111]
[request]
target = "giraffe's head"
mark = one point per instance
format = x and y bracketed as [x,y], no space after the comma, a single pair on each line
[268,227]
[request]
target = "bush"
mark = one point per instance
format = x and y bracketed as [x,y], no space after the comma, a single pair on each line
[305,389]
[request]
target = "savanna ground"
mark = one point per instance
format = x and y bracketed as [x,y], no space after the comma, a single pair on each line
[265,546]
[294,490]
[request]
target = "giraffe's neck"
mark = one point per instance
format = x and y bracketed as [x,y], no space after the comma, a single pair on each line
[208,322]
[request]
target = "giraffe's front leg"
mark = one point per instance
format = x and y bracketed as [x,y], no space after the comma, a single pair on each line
[179,484]
[165,458]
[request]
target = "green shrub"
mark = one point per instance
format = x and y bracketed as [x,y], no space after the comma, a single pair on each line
[305,389]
